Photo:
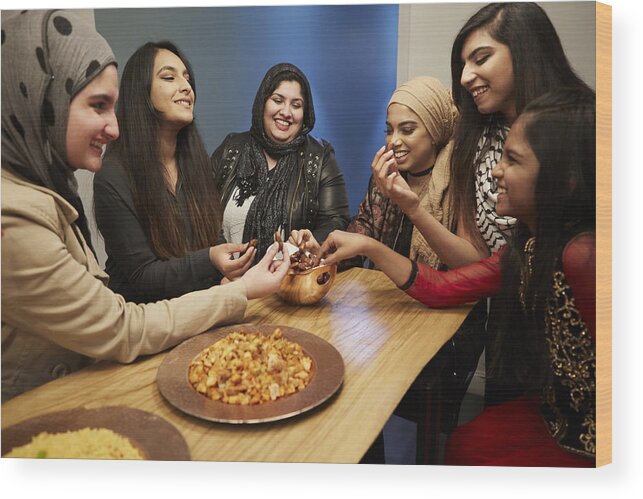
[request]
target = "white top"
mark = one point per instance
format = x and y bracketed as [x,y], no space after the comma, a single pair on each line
[234,218]
[234,221]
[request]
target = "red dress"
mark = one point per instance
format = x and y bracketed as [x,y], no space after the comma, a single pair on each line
[532,431]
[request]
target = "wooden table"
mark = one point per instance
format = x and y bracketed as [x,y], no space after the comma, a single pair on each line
[384,337]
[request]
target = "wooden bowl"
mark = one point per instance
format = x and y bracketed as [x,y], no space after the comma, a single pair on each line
[308,287]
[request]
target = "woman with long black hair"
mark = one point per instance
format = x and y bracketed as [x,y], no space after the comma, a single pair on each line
[545,281]
[505,55]
[157,206]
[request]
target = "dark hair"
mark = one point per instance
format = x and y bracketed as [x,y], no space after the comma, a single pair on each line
[286,76]
[139,150]
[560,127]
[272,79]
[539,65]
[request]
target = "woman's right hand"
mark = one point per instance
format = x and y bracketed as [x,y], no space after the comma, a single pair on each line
[306,239]
[391,184]
[265,277]
[340,245]
[222,257]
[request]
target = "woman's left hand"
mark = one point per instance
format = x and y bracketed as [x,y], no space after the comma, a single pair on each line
[265,277]
[222,257]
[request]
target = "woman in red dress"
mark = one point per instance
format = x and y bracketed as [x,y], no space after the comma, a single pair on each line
[545,280]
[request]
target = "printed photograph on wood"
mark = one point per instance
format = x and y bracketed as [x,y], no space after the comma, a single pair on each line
[384,219]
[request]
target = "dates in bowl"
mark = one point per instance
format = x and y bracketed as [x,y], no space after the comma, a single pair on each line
[308,279]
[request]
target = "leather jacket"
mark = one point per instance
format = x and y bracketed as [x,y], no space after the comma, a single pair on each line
[317,196]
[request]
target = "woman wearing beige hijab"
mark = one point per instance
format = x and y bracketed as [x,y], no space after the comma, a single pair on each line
[420,120]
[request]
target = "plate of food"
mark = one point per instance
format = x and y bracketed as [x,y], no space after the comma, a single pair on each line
[103,433]
[246,374]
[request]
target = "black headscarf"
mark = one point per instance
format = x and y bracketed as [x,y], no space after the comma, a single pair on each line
[47,58]
[269,210]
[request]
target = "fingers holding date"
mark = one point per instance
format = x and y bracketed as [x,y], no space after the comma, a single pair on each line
[279,241]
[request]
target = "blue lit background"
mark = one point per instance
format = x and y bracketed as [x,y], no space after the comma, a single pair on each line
[348,53]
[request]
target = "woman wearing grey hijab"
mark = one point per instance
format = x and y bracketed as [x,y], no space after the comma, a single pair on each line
[59,91]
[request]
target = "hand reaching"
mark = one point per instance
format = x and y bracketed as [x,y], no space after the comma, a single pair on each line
[340,245]
[304,239]
[265,277]
[389,181]
[222,258]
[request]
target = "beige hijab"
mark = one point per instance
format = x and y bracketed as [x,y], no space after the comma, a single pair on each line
[432,102]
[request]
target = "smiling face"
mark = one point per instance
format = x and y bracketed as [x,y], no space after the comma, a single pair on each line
[517,175]
[283,112]
[413,146]
[488,74]
[92,124]
[171,93]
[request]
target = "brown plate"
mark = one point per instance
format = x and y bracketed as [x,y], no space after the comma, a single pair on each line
[327,377]
[156,438]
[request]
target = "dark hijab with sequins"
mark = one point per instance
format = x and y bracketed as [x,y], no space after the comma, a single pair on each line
[269,211]
[47,58]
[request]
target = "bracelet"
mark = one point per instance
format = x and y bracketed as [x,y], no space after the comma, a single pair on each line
[411,280]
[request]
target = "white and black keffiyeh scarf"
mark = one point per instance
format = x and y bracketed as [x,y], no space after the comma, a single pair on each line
[494,228]
[268,211]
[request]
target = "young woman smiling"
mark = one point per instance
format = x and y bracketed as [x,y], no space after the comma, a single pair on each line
[156,203]
[545,278]
[58,113]
[505,55]
[420,120]
[276,176]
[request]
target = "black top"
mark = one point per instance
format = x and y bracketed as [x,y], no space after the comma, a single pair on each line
[316,197]
[135,271]
[403,242]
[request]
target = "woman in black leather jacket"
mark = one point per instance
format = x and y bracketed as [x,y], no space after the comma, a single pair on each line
[276,177]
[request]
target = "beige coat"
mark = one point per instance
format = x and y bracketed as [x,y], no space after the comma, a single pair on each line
[57,313]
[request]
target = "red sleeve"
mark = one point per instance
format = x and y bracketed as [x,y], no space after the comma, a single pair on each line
[438,289]
[579,266]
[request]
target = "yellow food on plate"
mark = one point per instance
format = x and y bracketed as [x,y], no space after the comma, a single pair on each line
[250,368]
[87,443]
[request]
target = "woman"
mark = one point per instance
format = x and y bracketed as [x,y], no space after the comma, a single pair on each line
[420,119]
[276,177]
[505,55]
[545,279]
[59,90]
[156,203]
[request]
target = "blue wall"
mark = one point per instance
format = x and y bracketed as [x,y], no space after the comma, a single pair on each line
[349,54]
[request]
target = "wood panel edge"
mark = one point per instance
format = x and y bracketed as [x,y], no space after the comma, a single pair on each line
[604,234]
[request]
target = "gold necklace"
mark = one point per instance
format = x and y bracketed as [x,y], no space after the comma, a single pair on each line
[526,271]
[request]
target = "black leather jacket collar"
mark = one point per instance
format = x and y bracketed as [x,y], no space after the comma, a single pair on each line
[317,197]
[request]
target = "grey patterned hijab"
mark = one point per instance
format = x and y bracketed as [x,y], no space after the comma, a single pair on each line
[47,58]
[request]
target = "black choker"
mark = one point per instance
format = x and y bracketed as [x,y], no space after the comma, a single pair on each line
[423,173]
